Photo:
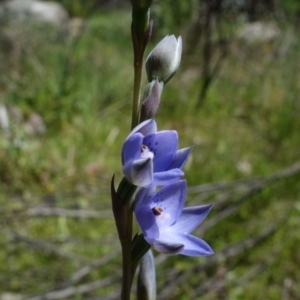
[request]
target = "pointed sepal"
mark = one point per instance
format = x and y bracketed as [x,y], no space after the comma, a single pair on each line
[151,103]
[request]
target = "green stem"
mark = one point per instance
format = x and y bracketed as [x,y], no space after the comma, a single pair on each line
[138,69]
[126,241]
[126,254]
[140,25]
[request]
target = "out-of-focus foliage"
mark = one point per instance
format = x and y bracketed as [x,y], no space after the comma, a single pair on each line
[78,8]
[174,14]
[291,7]
[83,8]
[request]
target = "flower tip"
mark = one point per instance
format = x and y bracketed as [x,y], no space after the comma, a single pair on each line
[208,207]
[207,249]
[163,61]
[209,252]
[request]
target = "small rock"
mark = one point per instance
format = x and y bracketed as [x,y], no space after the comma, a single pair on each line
[10,296]
[244,166]
[4,119]
[75,26]
[35,125]
[16,114]
[2,15]
[44,11]
[258,32]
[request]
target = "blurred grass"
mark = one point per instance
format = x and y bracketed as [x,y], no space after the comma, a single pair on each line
[248,126]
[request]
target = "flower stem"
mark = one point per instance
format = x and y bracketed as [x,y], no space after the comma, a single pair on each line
[127,243]
[138,68]
[140,34]
[126,255]
[140,16]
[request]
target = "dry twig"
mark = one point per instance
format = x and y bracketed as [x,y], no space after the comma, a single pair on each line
[175,277]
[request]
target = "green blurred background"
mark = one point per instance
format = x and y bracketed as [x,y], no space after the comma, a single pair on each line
[65,105]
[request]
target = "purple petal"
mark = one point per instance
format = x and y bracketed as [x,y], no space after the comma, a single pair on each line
[132,148]
[163,178]
[163,144]
[180,158]
[139,172]
[193,246]
[145,128]
[144,197]
[146,221]
[166,247]
[170,199]
[190,218]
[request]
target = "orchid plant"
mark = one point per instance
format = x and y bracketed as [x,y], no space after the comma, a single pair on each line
[152,188]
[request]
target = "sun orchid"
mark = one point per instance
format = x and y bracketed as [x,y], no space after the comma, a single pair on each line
[166,224]
[150,157]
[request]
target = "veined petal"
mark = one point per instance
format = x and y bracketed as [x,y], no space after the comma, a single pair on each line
[166,247]
[170,199]
[144,197]
[180,158]
[146,221]
[145,128]
[139,172]
[164,145]
[132,148]
[193,246]
[190,218]
[163,178]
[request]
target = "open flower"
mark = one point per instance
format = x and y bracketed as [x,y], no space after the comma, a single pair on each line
[151,158]
[164,60]
[166,225]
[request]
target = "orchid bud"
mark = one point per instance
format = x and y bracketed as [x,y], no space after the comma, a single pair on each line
[150,105]
[164,60]
[151,85]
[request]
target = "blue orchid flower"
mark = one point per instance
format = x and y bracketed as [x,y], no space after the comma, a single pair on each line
[166,224]
[151,158]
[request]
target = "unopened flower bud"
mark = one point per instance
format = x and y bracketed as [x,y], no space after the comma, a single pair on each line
[163,61]
[150,105]
[151,85]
